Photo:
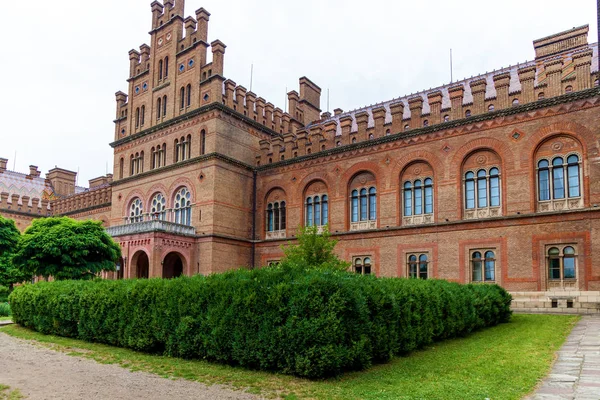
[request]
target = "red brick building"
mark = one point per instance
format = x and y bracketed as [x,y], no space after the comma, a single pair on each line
[491,179]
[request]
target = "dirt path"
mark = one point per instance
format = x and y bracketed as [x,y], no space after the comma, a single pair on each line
[45,374]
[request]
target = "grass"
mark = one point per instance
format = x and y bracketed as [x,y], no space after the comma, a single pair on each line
[503,362]
[7,394]
[5,318]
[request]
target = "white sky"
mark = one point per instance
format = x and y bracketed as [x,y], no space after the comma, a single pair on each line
[64,60]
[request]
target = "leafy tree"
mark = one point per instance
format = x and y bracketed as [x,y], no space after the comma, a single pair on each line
[313,251]
[9,239]
[66,249]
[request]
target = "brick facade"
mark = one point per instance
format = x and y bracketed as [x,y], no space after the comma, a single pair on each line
[209,177]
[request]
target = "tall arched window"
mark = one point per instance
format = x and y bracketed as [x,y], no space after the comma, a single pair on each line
[153,158]
[131,165]
[482,190]
[137,117]
[552,184]
[158,108]
[160,70]
[166,67]
[182,97]
[363,202]
[276,216]
[141,162]
[362,265]
[188,95]
[158,207]
[164,106]
[182,205]
[143,115]
[136,211]
[483,266]
[418,197]
[202,142]
[188,147]
[121,167]
[176,152]
[317,210]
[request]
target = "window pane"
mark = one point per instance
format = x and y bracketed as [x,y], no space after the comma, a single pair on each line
[372,205]
[325,210]
[418,199]
[470,193]
[363,205]
[428,199]
[282,223]
[270,219]
[544,184]
[558,180]
[317,211]
[553,251]
[407,202]
[309,212]
[423,266]
[573,173]
[569,250]
[494,191]
[554,268]
[489,266]
[276,212]
[569,265]
[355,209]
[481,192]
[477,271]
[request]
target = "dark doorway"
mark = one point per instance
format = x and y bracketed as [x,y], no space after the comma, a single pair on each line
[141,265]
[172,266]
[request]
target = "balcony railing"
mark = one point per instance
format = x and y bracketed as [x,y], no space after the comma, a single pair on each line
[151,226]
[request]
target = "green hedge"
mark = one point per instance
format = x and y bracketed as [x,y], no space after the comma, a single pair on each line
[312,324]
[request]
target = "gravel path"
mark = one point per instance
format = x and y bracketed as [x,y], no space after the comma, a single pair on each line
[40,373]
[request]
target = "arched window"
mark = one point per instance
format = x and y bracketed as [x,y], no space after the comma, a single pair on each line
[166,67]
[569,89]
[276,216]
[353,140]
[137,117]
[164,106]
[182,97]
[158,208]
[483,190]
[560,179]
[418,266]
[121,166]
[317,210]
[202,142]
[515,102]
[189,95]
[141,163]
[371,137]
[426,123]
[491,108]
[160,70]
[136,211]
[406,127]
[562,262]
[132,165]
[176,153]
[182,205]
[446,118]
[483,266]
[418,197]
[363,201]
[143,115]
[362,265]
[467,113]
[158,107]
[188,147]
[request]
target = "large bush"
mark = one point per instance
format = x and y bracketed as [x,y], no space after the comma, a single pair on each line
[310,323]
[5,310]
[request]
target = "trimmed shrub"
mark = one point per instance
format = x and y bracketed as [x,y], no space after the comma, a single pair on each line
[312,324]
[5,310]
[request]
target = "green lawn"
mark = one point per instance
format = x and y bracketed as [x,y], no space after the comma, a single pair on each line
[7,394]
[504,362]
[5,318]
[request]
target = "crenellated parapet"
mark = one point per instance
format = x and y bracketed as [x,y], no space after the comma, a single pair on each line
[565,63]
[93,198]
[22,205]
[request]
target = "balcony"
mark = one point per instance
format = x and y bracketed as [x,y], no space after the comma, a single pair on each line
[151,226]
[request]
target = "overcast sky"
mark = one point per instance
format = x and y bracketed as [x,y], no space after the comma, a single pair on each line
[64,60]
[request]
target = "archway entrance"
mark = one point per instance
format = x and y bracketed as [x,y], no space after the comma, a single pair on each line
[120,268]
[140,265]
[172,266]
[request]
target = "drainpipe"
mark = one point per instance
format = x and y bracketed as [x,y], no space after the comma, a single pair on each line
[253,262]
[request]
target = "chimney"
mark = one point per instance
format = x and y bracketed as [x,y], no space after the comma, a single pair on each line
[33,171]
[3,162]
